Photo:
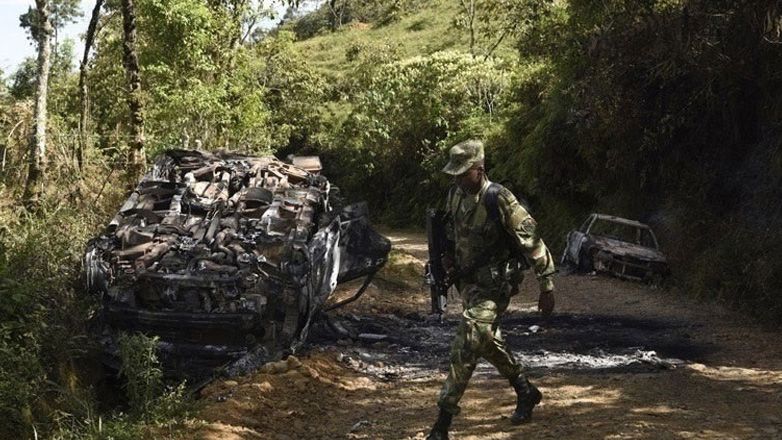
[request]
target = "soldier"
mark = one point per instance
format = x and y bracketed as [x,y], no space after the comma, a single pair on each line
[492,240]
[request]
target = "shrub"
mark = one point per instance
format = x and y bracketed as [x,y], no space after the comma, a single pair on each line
[141,370]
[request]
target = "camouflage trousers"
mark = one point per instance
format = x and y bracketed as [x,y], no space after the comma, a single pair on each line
[478,336]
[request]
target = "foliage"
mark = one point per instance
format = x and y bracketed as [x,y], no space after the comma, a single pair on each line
[141,370]
[23,80]
[489,22]
[41,318]
[333,14]
[294,91]
[48,368]
[203,79]
[61,13]
[21,378]
[660,111]
[408,113]
[196,78]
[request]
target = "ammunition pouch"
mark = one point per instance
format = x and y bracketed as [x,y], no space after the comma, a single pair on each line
[503,273]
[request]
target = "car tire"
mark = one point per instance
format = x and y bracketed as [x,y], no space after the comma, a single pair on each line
[585,263]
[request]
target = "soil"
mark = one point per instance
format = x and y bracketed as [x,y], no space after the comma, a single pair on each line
[618,360]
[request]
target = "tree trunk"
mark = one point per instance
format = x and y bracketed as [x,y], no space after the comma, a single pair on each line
[136,156]
[469,11]
[337,12]
[37,170]
[89,39]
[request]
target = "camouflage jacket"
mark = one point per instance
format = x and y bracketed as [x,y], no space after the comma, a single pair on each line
[482,246]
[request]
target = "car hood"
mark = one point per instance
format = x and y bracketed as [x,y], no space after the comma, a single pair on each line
[625,249]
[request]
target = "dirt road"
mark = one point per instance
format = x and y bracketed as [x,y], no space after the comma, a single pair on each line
[618,361]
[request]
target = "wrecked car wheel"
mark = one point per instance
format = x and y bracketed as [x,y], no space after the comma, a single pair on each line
[585,262]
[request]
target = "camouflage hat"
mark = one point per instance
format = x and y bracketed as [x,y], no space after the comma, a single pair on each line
[463,155]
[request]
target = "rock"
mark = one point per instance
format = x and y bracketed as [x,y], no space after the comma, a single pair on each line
[293,362]
[372,337]
[366,357]
[263,386]
[293,375]
[248,421]
[301,385]
[231,383]
[309,372]
[275,367]
[358,425]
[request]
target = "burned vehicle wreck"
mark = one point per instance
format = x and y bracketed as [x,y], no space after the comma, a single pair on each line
[624,248]
[222,254]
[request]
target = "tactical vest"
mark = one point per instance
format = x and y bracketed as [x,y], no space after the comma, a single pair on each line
[500,256]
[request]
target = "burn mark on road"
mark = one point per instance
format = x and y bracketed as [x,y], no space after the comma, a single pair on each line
[576,343]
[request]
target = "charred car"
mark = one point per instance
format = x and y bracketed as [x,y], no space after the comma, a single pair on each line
[624,248]
[223,254]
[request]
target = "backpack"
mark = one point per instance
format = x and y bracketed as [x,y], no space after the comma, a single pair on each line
[490,201]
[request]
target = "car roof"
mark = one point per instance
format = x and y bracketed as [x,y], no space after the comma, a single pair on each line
[622,220]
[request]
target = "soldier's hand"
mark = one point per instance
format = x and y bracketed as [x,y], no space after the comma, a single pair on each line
[546,303]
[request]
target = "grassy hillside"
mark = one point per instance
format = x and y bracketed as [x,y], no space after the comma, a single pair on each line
[427,29]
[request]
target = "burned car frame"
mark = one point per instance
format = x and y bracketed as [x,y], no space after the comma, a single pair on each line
[222,254]
[624,248]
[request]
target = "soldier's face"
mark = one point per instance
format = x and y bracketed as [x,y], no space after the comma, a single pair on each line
[470,180]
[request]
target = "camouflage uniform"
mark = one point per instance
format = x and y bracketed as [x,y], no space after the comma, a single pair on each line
[486,290]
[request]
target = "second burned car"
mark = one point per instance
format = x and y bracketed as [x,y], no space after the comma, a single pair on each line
[624,248]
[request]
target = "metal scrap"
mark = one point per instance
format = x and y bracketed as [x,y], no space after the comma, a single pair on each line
[219,253]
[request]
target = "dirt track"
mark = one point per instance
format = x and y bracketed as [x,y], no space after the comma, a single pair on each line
[618,361]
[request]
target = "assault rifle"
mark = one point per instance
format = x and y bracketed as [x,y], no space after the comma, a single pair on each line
[439,245]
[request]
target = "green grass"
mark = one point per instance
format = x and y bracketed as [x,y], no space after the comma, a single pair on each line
[425,31]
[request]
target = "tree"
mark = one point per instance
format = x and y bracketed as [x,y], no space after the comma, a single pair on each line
[24,79]
[490,22]
[89,39]
[136,155]
[453,96]
[41,23]
[37,170]
[337,10]
[61,12]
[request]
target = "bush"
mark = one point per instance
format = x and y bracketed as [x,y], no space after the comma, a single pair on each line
[405,117]
[141,370]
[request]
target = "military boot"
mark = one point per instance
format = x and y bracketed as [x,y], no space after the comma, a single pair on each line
[440,429]
[527,396]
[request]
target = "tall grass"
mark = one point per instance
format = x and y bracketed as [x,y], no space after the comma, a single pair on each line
[49,368]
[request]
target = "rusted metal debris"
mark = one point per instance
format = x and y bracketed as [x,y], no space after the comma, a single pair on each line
[624,248]
[225,256]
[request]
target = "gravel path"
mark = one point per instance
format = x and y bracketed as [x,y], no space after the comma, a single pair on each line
[619,360]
